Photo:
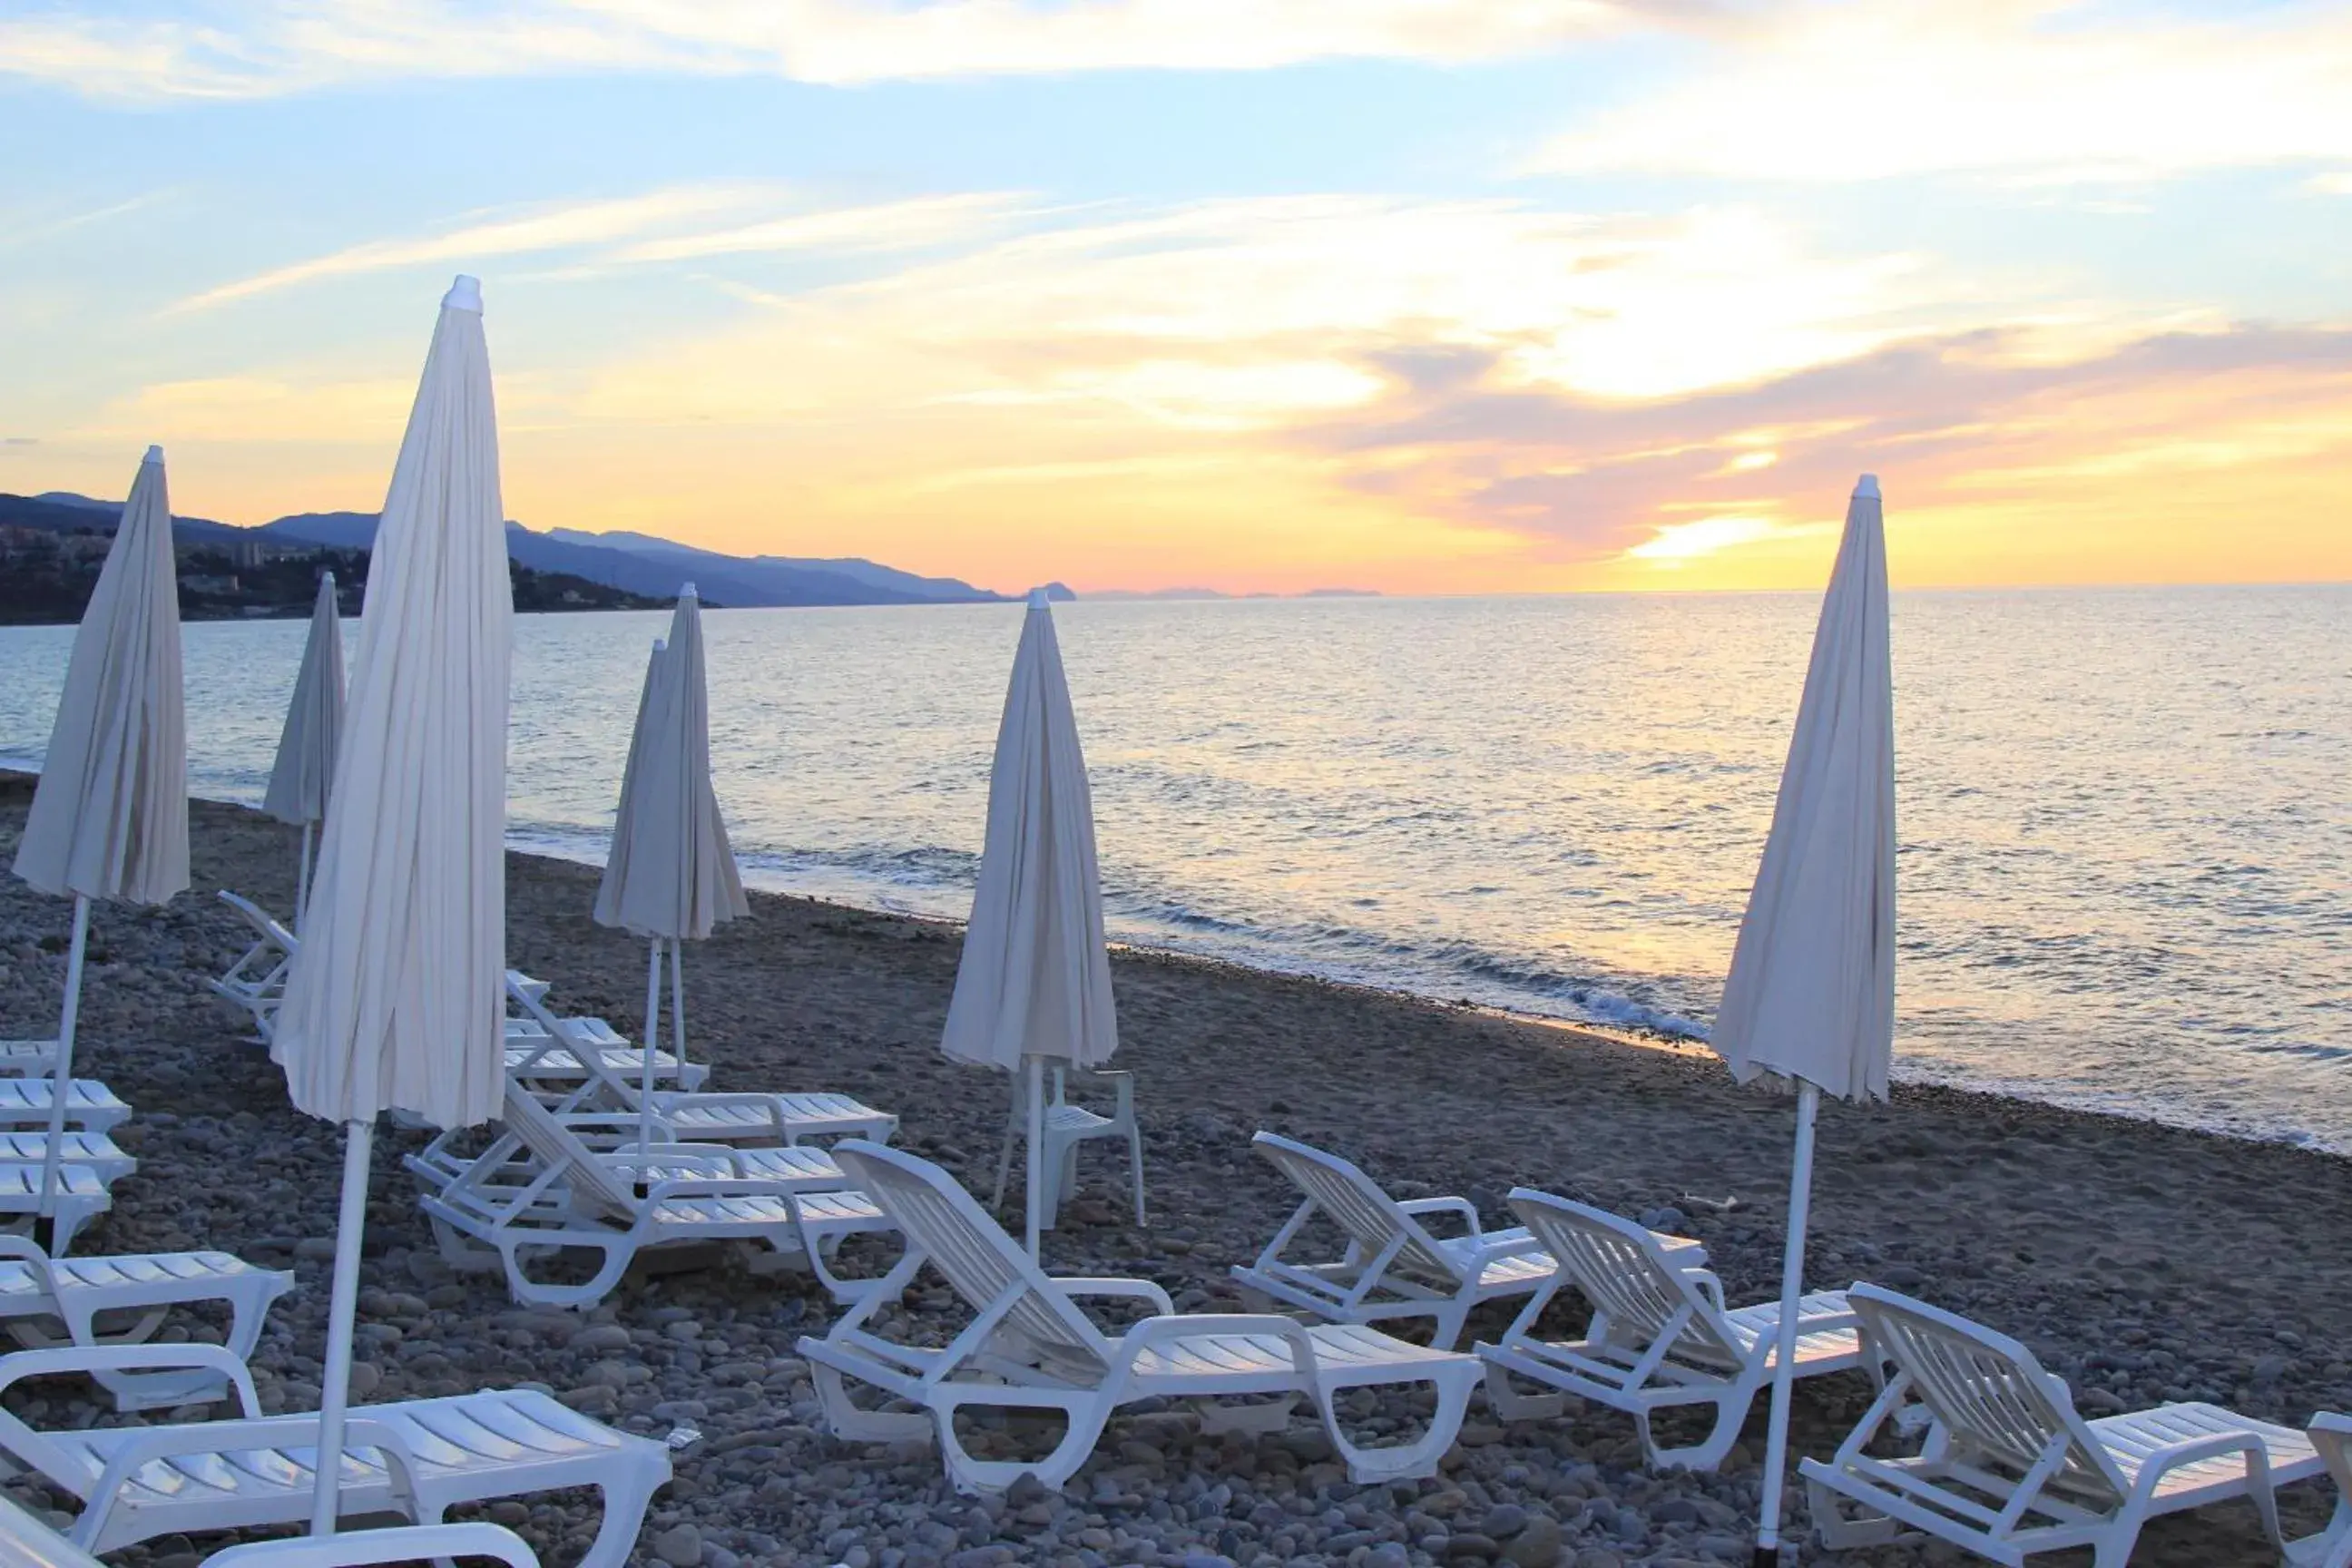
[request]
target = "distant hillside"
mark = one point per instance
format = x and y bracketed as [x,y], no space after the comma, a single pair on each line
[635,564]
[51,552]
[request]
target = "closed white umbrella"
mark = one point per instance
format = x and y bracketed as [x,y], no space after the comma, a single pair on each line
[1811,996]
[671,875]
[395,999]
[304,772]
[1034,980]
[109,816]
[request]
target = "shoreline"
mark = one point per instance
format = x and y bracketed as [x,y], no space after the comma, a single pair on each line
[2141,1263]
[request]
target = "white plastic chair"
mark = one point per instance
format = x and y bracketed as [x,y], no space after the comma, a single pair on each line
[2011,1469]
[1066,1126]
[1393,1266]
[418,1458]
[1031,1347]
[1660,1335]
[76,1292]
[2331,1436]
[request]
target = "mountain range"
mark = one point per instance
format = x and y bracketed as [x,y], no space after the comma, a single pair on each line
[633,562]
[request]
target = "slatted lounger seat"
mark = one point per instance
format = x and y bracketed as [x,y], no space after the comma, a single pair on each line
[89,1296]
[26,1543]
[109,1159]
[1660,1335]
[26,1058]
[538,1189]
[77,1198]
[1031,1347]
[615,1080]
[2009,1468]
[1394,1266]
[91,1106]
[418,1458]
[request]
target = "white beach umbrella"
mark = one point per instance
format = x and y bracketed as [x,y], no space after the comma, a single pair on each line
[109,816]
[1034,980]
[300,779]
[671,875]
[395,999]
[1809,999]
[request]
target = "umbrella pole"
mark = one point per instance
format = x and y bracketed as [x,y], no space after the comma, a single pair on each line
[302,882]
[61,1079]
[1792,1290]
[343,1308]
[653,1042]
[678,1008]
[1036,1137]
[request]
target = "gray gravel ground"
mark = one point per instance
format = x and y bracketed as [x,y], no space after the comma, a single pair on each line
[2142,1264]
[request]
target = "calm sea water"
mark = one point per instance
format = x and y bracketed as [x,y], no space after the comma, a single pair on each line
[2125,842]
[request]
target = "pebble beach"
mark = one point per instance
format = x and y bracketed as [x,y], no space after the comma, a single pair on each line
[2142,1263]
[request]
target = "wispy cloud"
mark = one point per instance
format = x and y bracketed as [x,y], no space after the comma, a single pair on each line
[652,227]
[218,49]
[2053,89]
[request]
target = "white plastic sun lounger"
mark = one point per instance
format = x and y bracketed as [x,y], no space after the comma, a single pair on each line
[1660,1335]
[416,1456]
[2331,1434]
[26,1543]
[615,1080]
[79,1198]
[2010,1468]
[91,1106]
[538,1189]
[1394,1265]
[554,1065]
[89,1297]
[1030,1347]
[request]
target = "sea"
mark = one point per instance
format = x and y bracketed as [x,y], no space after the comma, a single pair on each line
[2125,874]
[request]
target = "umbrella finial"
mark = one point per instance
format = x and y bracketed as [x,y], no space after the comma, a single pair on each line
[687,591]
[1866,488]
[465,294]
[154,455]
[1039,599]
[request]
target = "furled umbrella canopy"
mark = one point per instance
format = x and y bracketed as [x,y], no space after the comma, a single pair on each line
[304,772]
[1034,984]
[679,878]
[110,818]
[109,815]
[607,909]
[1809,999]
[396,996]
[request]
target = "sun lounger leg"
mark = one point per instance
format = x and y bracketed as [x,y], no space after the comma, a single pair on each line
[1511,1404]
[1085,1415]
[1369,1466]
[624,1494]
[1838,1531]
[530,1293]
[846,1421]
[1730,1414]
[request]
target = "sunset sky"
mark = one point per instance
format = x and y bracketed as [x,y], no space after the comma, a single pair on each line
[1415,295]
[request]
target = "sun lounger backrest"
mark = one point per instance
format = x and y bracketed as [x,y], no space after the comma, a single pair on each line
[1358,1204]
[948,1226]
[1988,1391]
[1618,1267]
[263,925]
[592,1182]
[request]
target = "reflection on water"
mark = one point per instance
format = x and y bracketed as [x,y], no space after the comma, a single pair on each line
[2126,846]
